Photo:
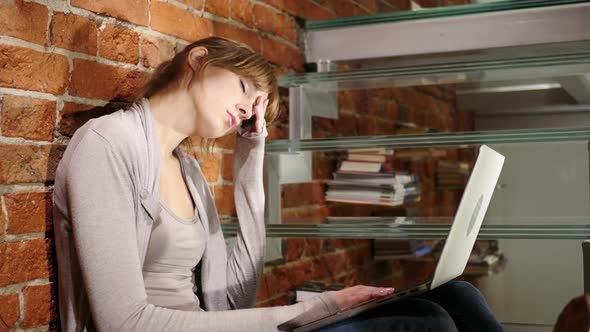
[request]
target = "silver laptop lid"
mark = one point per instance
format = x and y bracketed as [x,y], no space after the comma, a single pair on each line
[469,216]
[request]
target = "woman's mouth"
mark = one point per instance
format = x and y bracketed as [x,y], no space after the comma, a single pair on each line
[231,119]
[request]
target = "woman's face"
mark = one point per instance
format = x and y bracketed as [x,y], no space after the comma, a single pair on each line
[222,101]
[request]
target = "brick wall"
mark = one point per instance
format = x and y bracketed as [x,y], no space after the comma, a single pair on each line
[63,61]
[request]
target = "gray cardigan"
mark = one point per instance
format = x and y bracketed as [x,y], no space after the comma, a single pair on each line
[105,200]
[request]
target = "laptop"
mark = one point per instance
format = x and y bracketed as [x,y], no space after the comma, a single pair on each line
[457,247]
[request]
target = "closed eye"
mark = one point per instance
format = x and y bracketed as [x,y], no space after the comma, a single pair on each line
[243,86]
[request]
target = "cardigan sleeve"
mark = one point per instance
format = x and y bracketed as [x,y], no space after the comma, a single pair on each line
[246,259]
[100,205]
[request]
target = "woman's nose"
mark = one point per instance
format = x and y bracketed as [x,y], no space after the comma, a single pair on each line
[245,112]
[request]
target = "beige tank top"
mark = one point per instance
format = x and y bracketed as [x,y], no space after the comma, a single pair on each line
[176,246]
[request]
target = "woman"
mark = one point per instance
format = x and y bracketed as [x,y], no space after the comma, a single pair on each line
[138,239]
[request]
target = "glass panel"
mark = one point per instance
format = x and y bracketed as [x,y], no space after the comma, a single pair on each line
[460,139]
[475,8]
[543,192]
[391,231]
[549,63]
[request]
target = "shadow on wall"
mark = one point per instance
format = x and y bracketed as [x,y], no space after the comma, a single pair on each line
[71,120]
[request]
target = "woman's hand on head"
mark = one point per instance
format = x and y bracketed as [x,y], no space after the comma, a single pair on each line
[258,112]
[352,296]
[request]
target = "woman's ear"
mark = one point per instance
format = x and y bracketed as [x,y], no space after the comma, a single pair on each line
[195,58]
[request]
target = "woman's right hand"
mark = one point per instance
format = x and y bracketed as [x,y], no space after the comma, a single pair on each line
[352,296]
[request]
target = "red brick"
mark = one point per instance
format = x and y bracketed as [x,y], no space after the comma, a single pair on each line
[295,249]
[367,126]
[210,165]
[262,294]
[24,20]
[229,31]
[301,194]
[310,214]
[23,68]
[301,272]
[227,166]
[286,27]
[385,128]
[24,261]
[9,311]
[282,280]
[96,80]
[330,245]
[320,268]
[369,5]
[73,115]
[413,99]
[75,33]
[312,247]
[427,3]
[119,44]
[29,212]
[134,11]
[344,8]
[28,118]
[224,199]
[272,285]
[2,219]
[275,133]
[178,22]
[401,4]
[41,162]
[218,7]
[156,50]
[265,18]
[323,166]
[69,123]
[322,124]
[336,263]
[242,11]
[311,11]
[40,305]
[282,54]
[294,8]
[196,4]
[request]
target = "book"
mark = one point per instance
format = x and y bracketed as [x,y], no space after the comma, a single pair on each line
[374,151]
[360,166]
[379,158]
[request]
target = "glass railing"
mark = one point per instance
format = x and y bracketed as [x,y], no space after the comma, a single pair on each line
[421,231]
[497,6]
[452,139]
[500,69]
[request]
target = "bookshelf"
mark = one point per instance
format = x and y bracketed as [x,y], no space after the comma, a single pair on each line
[545,61]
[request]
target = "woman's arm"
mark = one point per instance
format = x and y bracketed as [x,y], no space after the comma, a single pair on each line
[246,260]
[100,205]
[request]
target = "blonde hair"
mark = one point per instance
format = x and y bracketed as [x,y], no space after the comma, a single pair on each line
[223,53]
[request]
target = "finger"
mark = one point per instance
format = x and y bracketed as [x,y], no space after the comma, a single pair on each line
[259,115]
[256,112]
[381,291]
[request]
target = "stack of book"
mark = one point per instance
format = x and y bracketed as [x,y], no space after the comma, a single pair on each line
[385,249]
[312,289]
[367,177]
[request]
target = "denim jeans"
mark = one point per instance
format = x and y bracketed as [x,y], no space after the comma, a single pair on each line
[454,306]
